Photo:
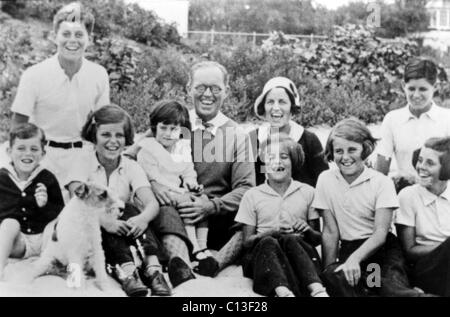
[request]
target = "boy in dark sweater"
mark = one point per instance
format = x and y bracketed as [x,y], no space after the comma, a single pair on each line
[30,196]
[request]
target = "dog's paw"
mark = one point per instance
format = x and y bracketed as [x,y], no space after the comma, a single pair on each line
[76,280]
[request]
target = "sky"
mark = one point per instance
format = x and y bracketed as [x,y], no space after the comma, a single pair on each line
[333,4]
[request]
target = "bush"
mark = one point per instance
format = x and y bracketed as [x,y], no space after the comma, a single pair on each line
[159,75]
[144,27]
[352,73]
[111,17]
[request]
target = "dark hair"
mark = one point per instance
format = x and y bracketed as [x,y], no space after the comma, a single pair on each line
[74,12]
[260,110]
[169,112]
[25,131]
[206,64]
[295,150]
[420,68]
[108,115]
[353,130]
[441,145]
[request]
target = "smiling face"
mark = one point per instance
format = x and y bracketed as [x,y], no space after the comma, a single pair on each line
[110,142]
[25,155]
[347,156]
[419,93]
[72,40]
[167,134]
[428,167]
[206,102]
[277,108]
[278,163]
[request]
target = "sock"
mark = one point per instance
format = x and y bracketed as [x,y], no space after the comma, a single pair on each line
[190,230]
[317,290]
[202,237]
[128,268]
[176,247]
[283,291]
[230,251]
[153,265]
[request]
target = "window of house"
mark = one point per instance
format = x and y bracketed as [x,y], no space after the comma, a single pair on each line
[443,18]
[433,18]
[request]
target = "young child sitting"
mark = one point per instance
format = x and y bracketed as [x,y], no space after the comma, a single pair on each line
[30,195]
[423,219]
[167,160]
[280,228]
[110,129]
[357,204]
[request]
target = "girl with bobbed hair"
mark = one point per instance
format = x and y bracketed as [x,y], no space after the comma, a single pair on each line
[357,205]
[423,219]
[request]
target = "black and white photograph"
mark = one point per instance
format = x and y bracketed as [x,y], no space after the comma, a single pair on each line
[240,149]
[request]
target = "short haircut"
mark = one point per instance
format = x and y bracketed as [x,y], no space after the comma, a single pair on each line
[108,115]
[441,145]
[421,68]
[353,130]
[169,112]
[206,64]
[25,131]
[295,150]
[74,12]
[260,111]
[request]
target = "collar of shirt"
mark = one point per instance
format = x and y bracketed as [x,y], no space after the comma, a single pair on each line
[433,113]
[59,71]
[293,187]
[295,132]
[216,122]
[15,178]
[428,198]
[366,175]
[96,166]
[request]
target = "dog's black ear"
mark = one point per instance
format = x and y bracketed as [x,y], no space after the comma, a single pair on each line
[82,191]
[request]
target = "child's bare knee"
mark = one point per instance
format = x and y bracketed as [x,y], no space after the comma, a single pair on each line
[10,225]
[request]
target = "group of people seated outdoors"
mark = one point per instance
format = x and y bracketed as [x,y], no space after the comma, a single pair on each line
[201,193]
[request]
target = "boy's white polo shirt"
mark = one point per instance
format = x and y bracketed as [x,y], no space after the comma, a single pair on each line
[123,181]
[264,208]
[57,104]
[354,205]
[402,133]
[428,213]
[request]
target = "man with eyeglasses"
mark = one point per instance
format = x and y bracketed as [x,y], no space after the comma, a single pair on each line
[225,175]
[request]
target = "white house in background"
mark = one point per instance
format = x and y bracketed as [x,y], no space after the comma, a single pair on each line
[171,11]
[438,35]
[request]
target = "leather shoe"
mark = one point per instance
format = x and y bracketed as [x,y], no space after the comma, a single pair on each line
[179,271]
[157,283]
[208,267]
[133,286]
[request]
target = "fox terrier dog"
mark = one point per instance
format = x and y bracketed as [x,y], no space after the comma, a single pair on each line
[74,239]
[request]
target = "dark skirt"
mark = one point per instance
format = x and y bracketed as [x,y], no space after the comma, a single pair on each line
[281,260]
[382,274]
[432,272]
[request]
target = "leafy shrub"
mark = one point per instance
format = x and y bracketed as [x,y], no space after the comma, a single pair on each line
[144,27]
[352,73]
[111,17]
[159,75]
